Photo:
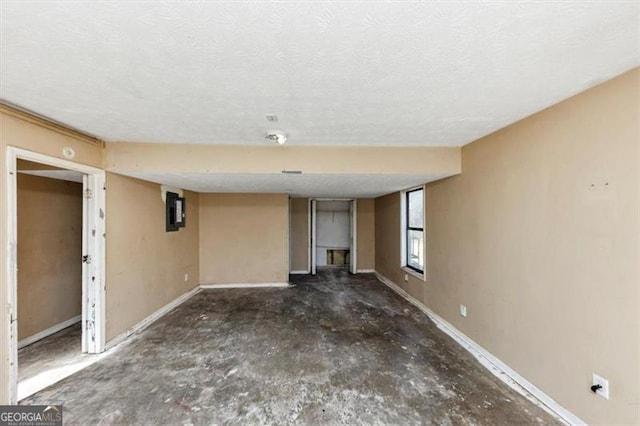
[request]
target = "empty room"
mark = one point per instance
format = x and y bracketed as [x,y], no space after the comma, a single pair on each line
[367,213]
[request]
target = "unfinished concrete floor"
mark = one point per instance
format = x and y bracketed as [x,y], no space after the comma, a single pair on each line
[334,349]
[52,352]
[51,359]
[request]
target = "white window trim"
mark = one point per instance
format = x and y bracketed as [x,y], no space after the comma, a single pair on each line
[403,234]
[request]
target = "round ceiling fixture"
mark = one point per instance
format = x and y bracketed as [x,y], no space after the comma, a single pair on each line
[276,136]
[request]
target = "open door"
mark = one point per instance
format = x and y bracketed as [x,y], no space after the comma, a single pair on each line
[93,315]
[353,211]
[86,223]
[312,211]
[93,258]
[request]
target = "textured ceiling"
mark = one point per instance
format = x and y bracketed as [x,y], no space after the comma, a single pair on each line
[303,185]
[68,175]
[412,74]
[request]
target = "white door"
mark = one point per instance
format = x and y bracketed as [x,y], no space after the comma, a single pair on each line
[92,286]
[93,245]
[86,264]
[313,237]
[353,211]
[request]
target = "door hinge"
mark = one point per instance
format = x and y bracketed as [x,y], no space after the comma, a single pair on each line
[88,193]
[86,259]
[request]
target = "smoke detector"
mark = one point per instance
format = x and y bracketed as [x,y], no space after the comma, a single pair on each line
[276,136]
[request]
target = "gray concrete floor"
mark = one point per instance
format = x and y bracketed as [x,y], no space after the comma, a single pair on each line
[333,349]
[51,359]
[55,351]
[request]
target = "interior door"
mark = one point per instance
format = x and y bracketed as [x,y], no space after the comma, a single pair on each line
[313,237]
[92,286]
[86,261]
[353,212]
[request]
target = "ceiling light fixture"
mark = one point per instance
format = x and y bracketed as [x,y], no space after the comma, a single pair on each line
[277,137]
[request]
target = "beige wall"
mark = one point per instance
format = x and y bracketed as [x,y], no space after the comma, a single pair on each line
[30,165]
[387,254]
[299,234]
[179,158]
[365,234]
[37,137]
[244,238]
[49,253]
[539,239]
[145,265]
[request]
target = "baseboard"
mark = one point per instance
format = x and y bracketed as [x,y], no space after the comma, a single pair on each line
[490,362]
[49,331]
[242,285]
[168,307]
[299,272]
[151,318]
[366,271]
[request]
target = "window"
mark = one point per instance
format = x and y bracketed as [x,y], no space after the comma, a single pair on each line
[414,230]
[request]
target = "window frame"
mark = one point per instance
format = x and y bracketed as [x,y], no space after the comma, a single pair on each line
[405,228]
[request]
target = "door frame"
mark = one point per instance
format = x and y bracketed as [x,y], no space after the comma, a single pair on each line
[353,234]
[93,246]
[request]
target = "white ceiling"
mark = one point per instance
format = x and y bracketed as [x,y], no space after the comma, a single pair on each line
[335,73]
[303,185]
[68,175]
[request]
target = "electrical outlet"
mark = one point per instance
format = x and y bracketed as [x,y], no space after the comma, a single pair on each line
[186,276]
[604,390]
[406,277]
[463,310]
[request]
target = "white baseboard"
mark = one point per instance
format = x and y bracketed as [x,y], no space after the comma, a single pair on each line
[366,271]
[299,272]
[49,331]
[490,362]
[151,318]
[242,285]
[168,307]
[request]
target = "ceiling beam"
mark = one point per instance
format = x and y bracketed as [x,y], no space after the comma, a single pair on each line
[127,157]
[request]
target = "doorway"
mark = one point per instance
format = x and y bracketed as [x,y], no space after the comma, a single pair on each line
[332,234]
[84,217]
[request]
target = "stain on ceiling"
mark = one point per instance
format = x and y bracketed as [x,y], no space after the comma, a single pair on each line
[334,73]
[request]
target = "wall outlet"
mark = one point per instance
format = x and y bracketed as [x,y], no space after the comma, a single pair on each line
[463,311]
[604,390]
[186,276]
[406,277]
